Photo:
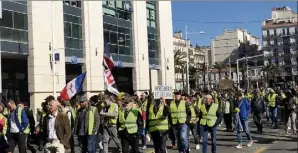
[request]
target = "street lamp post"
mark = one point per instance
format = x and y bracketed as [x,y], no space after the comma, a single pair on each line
[246,58]
[187,56]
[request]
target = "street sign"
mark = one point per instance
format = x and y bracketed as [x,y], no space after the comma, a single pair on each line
[57,57]
[119,64]
[163,91]
[153,66]
[74,60]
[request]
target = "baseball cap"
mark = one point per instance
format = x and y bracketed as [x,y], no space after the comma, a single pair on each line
[82,99]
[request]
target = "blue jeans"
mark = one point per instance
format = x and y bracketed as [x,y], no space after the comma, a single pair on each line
[88,143]
[273,113]
[181,134]
[246,130]
[205,130]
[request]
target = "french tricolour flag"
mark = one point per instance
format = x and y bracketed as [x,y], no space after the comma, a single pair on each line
[72,87]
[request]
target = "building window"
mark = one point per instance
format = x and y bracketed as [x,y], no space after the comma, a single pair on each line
[275,41]
[77,4]
[287,60]
[119,39]
[119,9]
[268,33]
[296,30]
[73,32]
[14,26]
[274,32]
[284,31]
[287,50]
[275,52]
[288,31]
[286,41]
[151,14]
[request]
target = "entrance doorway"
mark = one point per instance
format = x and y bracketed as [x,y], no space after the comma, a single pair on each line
[72,70]
[123,79]
[14,79]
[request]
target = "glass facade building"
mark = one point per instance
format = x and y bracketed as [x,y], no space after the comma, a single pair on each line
[134,30]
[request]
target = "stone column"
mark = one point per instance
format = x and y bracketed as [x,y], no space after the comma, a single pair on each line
[93,47]
[140,47]
[164,17]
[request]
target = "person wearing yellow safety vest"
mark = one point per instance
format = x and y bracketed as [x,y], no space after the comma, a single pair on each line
[30,136]
[3,128]
[18,128]
[198,103]
[110,114]
[180,116]
[272,100]
[130,125]
[210,117]
[193,120]
[157,123]
[86,125]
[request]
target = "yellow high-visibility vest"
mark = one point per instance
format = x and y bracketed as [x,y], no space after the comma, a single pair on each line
[271,100]
[198,104]
[209,117]
[92,110]
[130,123]
[178,114]
[19,117]
[3,120]
[144,105]
[112,120]
[157,122]
[193,114]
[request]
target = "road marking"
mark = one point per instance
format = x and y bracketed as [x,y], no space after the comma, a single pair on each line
[261,150]
[150,151]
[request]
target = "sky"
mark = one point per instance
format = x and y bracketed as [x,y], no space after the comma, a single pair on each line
[195,15]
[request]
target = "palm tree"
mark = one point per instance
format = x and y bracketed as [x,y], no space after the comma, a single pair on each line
[243,70]
[179,63]
[271,71]
[219,66]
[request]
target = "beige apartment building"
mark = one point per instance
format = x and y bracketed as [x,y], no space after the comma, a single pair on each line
[280,42]
[196,57]
[138,33]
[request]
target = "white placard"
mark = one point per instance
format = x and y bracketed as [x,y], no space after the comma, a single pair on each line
[163,91]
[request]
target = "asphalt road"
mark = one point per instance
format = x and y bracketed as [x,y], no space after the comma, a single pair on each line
[271,141]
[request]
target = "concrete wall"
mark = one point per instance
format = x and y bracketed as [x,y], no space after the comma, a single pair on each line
[41,32]
[164,11]
[141,60]
[93,42]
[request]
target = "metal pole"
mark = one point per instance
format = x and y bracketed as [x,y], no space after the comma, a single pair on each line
[238,81]
[53,54]
[247,72]
[230,66]
[187,63]
[165,66]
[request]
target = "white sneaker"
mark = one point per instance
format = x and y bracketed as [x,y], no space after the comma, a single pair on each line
[250,143]
[239,146]
[100,145]
[143,148]
[197,146]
